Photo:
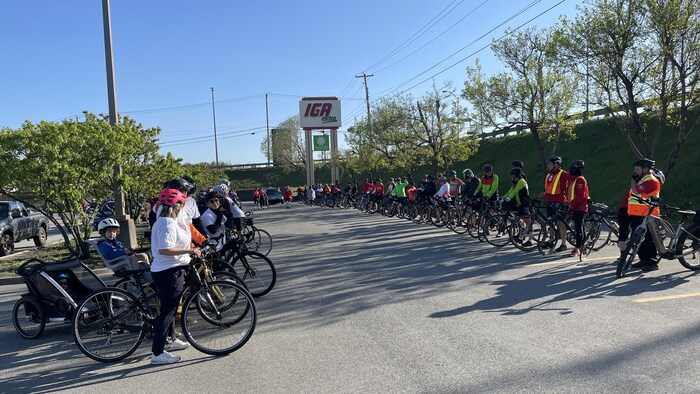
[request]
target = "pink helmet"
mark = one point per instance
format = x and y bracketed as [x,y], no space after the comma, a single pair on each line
[170,197]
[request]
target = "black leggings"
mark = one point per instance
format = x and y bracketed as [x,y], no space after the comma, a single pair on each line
[578,227]
[170,285]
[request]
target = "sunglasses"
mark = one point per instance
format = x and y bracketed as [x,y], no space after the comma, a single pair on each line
[214,200]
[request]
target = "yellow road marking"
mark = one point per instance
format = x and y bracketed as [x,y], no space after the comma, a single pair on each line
[669,297]
[571,261]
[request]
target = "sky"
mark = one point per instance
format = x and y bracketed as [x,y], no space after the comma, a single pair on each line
[169,54]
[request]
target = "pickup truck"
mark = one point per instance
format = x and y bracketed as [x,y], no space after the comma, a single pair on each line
[17,223]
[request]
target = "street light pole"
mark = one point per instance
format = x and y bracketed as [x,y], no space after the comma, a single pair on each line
[267,123]
[216,144]
[128,229]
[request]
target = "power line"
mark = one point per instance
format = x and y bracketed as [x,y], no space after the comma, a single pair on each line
[417,34]
[435,38]
[392,89]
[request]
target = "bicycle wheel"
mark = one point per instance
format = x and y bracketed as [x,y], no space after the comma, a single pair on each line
[689,249]
[630,252]
[604,235]
[473,224]
[257,272]
[436,217]
[523,232]
[108,325]
[222,318]
[260,241]
[547,238]
[28,318]
[147,295]
[496,231]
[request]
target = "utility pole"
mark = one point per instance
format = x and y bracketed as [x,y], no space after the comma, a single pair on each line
[365,76]
[267,123]
[216,144]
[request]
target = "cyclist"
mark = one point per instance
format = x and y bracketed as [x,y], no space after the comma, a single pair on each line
[170,247]
[489,184]
[555,192]
[287,195]
[644,184]
[411,191]
[237,214]
[456,184]
[518,164]
[518,198]
[400,191]
[379,188]
[216,215]
[300,194]
[470,184]
[256,199]
[430,187]
[390,187]
[263,199]
[365,186]
[578,202]
[444,191]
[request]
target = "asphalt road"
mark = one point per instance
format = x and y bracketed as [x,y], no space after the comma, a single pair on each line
[372,304]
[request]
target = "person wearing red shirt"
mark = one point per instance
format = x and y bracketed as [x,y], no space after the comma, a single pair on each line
[263,199]
[645,185]
[365,186]
[300,193]
[411,191]
[555,192]
[287,197]
[256,198]
[578,202]
[379,187]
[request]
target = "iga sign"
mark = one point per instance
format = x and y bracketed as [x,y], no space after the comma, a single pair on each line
[319,113]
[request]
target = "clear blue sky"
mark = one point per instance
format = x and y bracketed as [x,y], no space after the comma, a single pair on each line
[169,53]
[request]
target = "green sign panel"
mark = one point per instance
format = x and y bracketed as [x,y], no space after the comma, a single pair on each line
[322,143]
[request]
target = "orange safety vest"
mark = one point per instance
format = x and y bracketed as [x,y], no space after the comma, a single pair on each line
[572,191]
[634,207]
[553,186]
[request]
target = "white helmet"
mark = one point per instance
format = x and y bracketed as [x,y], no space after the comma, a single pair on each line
[109,222]
[220,190]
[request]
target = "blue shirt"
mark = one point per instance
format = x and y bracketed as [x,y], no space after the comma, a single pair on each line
[111,249]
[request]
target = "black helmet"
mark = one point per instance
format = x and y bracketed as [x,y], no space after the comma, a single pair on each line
[179,184]
[516,171]
[517,164]
[578,164]
[451,173]
[644,162]
[555,159]
[431,177]
[191,182]
[488,168]
[468,173]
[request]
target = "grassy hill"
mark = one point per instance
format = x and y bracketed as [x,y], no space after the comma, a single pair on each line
[599,143]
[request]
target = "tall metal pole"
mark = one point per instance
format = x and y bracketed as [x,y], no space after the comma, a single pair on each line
[216,144]
[267,123]
[128,229]
[365,76]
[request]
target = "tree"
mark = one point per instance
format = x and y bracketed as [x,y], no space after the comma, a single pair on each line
[532,94]
[52,167]
[287,147]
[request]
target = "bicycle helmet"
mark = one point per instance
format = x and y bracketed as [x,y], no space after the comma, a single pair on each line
[517,164]
[192,183]
[171,197]
[220,190]
[644,162]
[225,181]
[431,177]
[178,184]
[468,173]
[516,171]
[578,164]
[555,159]
[109,222]
[451,173]
[488,168]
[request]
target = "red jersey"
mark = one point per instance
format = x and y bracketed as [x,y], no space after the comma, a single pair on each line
[578,194]
[555,185]
[256,193]
[365,187]
[379,189]
[287,194]
[411,193]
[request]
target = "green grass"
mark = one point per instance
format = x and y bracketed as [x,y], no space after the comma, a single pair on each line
[599,143]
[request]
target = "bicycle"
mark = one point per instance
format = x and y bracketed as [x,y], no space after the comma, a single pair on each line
[256,238]
[683,242]
[110,323]
[549,235]
[254,268]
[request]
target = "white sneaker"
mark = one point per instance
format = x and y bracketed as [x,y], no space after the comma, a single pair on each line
[164,358]
[177,344]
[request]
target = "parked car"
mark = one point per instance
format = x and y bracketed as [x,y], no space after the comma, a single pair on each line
[106,210]
[17,223]
[274,196]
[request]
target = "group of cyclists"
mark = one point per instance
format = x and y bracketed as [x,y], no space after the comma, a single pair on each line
[566,196]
